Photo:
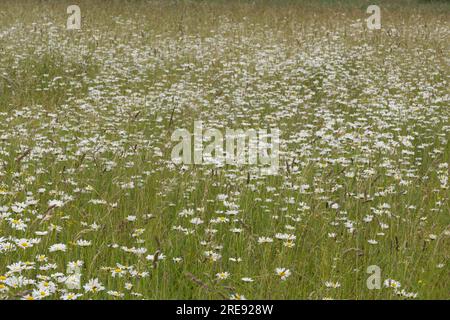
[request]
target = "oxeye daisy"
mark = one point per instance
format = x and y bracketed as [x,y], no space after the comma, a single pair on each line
[23,243]
[117,272]
[71,296]
[41,258]
[283,273]
[223,275]
[57,247]
[128,286]
[94,286]
[83,243]
[330,284]
[196,221]
[115,294]
[237,296]
[264,240]
[391,283]
[223,146]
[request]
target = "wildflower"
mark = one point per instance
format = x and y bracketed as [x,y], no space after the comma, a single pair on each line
[330,284]
[289,244]
[405,294]
[237,296]
[128,286]
[83,243]
[223,275]
[71,296]
[186,212]
[152,257]
[58,247]
[74,266]
[212,256]
[17,267]
[94,286]
[196,221]
[73,281]
[285,236]
[41,258]
[55,203]
[283,273]
[40,294]
[264,240]
[115,294]
[24,243]
[390,283]
[118,271]
[17,224]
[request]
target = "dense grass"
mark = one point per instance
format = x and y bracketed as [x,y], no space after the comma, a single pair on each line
[88,115]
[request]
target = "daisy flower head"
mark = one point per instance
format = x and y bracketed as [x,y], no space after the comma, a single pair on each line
[58,247]
[391,283]
[70,296]
[94,286]
[334,285]
[283,273]
[237,296]
[223,275]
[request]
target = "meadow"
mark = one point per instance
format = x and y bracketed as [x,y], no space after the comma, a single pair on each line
[93,207]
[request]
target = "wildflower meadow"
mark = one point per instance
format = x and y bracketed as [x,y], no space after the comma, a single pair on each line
[224,149]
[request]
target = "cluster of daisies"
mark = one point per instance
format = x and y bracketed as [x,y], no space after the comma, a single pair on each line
[92,206]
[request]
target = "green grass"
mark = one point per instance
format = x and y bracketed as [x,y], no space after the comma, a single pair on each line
[364,119]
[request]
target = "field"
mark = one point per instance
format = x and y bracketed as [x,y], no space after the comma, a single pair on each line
[92,205]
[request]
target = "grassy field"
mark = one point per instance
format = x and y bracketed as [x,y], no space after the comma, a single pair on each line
[88,186]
